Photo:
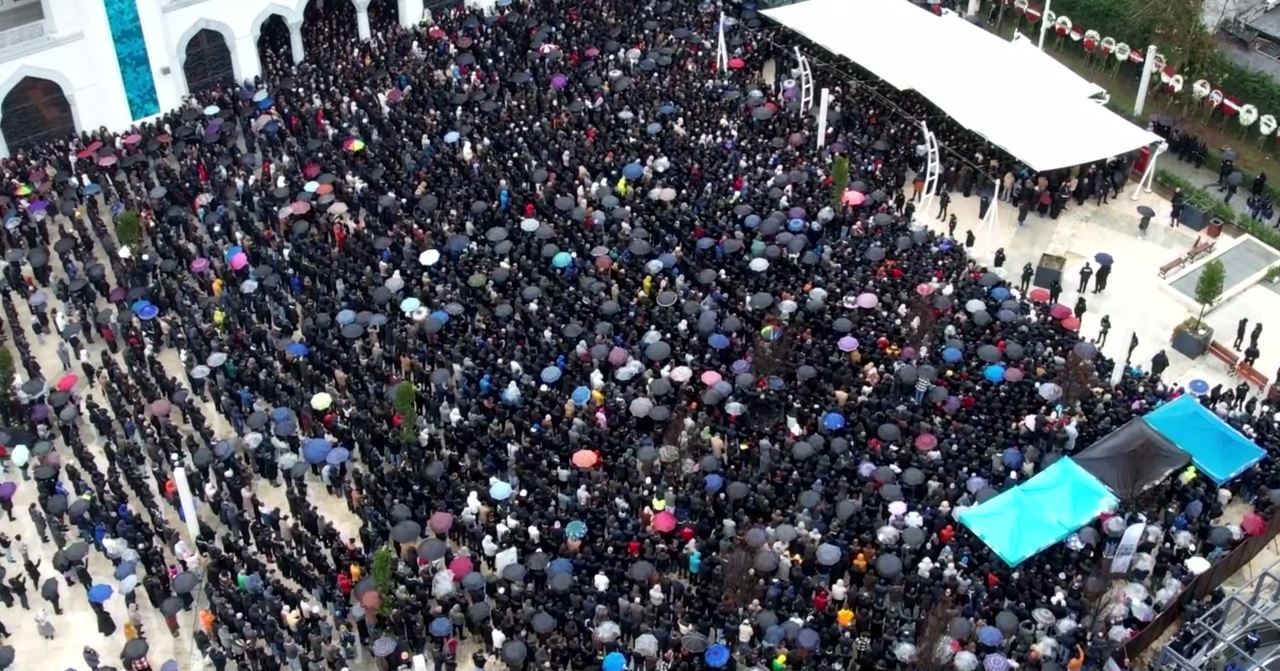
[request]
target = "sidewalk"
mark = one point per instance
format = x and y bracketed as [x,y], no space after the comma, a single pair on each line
[1205,179]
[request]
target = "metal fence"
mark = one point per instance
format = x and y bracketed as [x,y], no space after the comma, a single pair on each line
[1203,584]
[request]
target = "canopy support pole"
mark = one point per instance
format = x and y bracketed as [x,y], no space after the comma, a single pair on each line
[1044,23]
[824,101]
[1149,175]
[722,48]
[806,82]
[932,168]
[1147,66]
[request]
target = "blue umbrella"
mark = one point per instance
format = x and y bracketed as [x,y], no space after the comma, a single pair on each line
[559,566]
[633,171]
[451,137]
[440,316]
[500,491]
[1012,458]
[280,414]
[148,312]
[581,395]
[1198,387]
[266,103]
[314,450]
[833,421]
[550,374]
[125,569]
[993,373]
[440,627]
[92,190]
[952,355]
[796,225]
[562,260]
[138,305]
[718,341]
[1000,293]
[653,128]
[346,317]
[297,349]
[410,304]
[231,252]
[990,636]
[752,221]
[713,482]
[100,593]
[667,108]
[614,661]
[338,455]
[717,656]
[576,529]
[1104,258]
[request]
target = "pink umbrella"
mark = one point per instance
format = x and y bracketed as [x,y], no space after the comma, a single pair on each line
[199,265]
[924,289]
[853,198]
[664,522]
[460,567]
[1059,311]
[133,139]
[1013,374]
[710,378]
[618,356]
[395,95]
[300,207]
[1253,524]
[239,261]
[867,301]
[926,442]
[440,522]
[107,161]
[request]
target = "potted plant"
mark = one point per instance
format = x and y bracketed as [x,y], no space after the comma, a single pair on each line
[1192,337]
[1273,275]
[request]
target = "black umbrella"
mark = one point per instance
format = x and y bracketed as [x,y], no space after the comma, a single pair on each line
[542,622]
[432,549]
[185,582]
[78,550]
[56,505]
[514,652]
[7,655]
[171,606]
[49,589]
[135,649]
[406,531]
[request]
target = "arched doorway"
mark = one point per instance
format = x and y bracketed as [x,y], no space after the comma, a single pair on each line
[326,24]
[34,112]
[275,49]
[208,61]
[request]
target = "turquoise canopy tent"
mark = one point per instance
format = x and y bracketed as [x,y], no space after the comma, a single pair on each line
[1218,450]
[1024,520]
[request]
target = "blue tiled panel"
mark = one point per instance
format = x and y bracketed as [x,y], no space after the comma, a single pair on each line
[131,56]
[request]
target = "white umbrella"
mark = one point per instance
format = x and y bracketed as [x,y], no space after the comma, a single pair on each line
[429,257]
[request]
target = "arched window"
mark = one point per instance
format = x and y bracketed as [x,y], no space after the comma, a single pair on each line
[34,112]
[208,61]
[275,49]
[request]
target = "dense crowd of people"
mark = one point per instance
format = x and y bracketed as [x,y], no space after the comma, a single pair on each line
[573,323]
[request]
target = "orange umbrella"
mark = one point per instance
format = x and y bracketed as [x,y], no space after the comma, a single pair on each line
[586,459]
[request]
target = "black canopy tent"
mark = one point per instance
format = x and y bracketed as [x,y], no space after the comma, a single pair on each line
[1131,459]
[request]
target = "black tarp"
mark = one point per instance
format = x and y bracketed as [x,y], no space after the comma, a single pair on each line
[1131,459]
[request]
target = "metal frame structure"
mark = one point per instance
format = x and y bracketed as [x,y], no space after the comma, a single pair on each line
[1222,629]
[806,83]
[933,168]
[1149,175]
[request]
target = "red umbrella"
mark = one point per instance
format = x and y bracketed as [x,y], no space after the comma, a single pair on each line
[664,522]
[1253,524]
[461,566]
[1071,324]
[737,63]
[311,170]
[1059,311]
[395,95]
[1038,295]
[67,382]
[88,151]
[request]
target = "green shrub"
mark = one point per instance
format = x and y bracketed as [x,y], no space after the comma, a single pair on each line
[406,405]
[839,180]
[128,228]
[1209,287]
[1216,208]
[6,373]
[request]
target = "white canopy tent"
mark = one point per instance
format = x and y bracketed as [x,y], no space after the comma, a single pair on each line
[1031,106]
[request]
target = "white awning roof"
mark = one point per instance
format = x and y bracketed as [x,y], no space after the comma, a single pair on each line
[1027,103]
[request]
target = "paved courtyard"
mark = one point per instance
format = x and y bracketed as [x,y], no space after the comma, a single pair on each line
[1136,299]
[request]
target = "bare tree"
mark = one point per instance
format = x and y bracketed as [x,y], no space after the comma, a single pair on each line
[739,578]
[933,636]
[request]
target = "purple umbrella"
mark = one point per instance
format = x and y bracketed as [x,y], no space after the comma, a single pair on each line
[40,413]
[7,490]
[975,484]
[199,265]
[38,206]
[559,81]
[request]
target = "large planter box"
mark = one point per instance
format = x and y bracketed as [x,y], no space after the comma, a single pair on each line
[1191,344]
[1049,269]
[1194,216]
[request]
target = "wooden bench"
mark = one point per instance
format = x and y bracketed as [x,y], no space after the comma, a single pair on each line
[1252,376]
[1200,249]
[1173,265]
[1224,354]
